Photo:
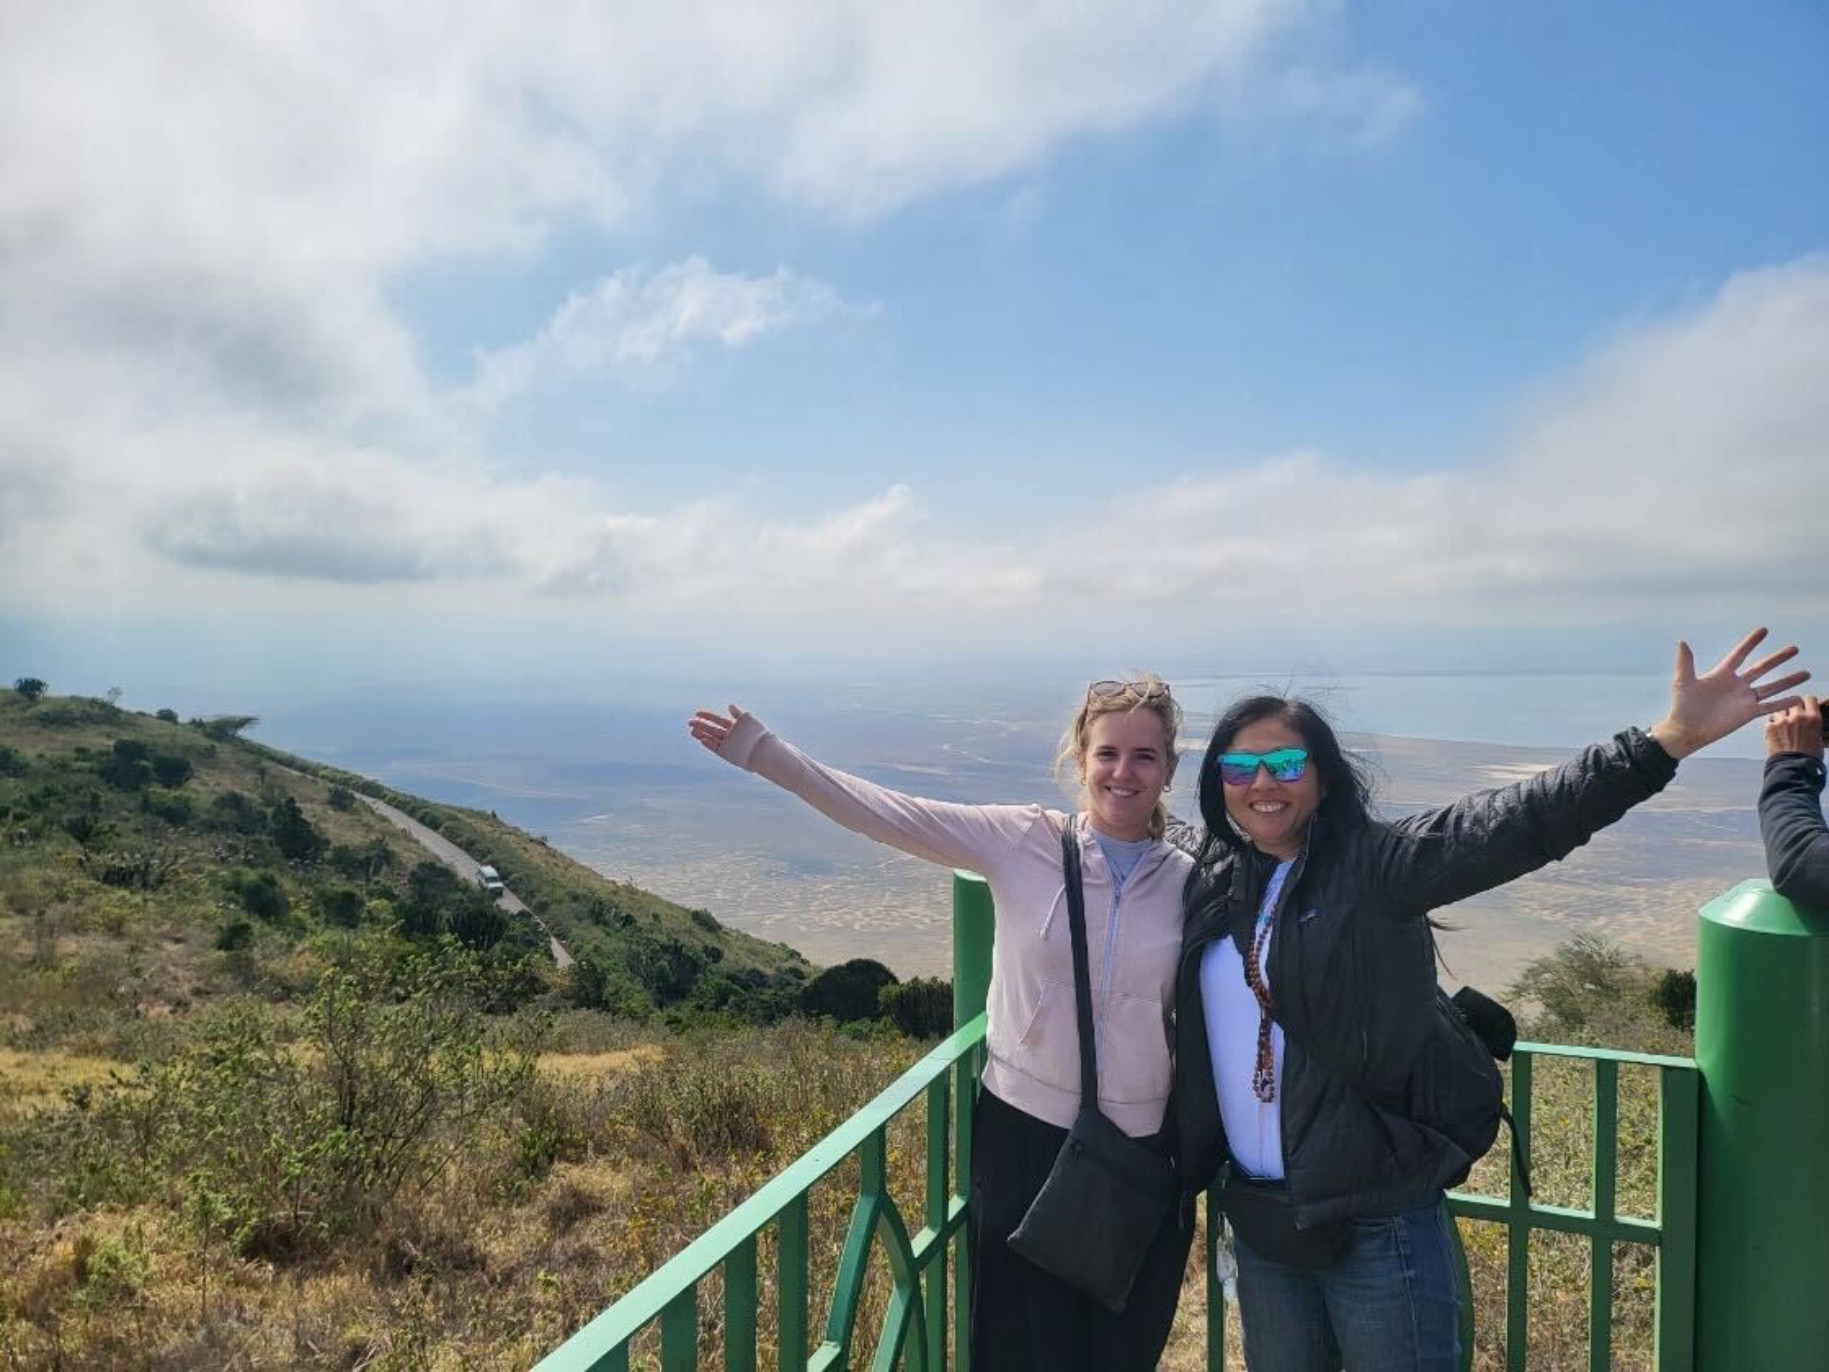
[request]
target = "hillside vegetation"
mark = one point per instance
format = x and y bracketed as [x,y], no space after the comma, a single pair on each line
[277,1091]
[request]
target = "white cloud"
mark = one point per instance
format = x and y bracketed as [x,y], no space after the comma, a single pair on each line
[637,327]
[1680,468]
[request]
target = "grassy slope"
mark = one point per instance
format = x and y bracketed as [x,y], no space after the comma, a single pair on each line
[147,942]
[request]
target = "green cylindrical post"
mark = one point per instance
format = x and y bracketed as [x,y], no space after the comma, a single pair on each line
[972,928]
[1762,1041]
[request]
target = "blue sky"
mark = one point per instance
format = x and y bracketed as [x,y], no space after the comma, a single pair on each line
[512,346]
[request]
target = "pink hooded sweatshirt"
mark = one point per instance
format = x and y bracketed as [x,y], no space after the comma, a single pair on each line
[1133,942]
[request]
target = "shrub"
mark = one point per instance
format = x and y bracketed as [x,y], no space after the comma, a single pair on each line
[233,936]
[173,809]
[921,1007]
[296,1146]
[342,798]
[339,906]
[13,763]
[850,991]
[169,716]
[171,770]
[667,967]
[260,894]
[30,687]
[85,827]
[127,767]
[292,833]
[236,813]
[1674,994]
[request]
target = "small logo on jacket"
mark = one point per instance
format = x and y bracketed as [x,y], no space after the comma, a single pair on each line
[1307,915]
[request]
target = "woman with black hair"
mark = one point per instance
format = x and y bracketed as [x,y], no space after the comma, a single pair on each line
[1308,1023]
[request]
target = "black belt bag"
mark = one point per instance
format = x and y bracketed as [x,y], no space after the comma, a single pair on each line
[1107,1195]
[1262,1215]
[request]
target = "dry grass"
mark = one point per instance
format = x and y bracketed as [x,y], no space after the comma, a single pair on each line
[656,1143]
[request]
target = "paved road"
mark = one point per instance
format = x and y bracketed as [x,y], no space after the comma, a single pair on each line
[463,864]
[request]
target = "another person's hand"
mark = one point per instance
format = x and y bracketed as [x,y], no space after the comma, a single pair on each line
[1796,730]
[711,728]
[1711,706]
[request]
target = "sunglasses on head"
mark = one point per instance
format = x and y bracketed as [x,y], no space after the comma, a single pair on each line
[1284,764]
[1137,690]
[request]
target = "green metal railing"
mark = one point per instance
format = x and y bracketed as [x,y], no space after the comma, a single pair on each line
[924,1326]
[916,1328]
[1671,1232]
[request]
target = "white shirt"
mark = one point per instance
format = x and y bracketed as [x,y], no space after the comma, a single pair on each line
[1254,1128]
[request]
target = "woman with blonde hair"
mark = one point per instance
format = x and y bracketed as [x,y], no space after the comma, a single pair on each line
[1120,747]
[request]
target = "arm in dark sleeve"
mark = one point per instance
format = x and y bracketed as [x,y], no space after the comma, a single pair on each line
[1492,837]
[1791,821]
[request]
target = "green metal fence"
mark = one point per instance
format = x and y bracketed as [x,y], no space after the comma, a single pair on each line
[921,1319]
[1671,1231]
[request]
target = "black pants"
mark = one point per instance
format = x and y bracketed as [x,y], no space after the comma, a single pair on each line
[1024,1319]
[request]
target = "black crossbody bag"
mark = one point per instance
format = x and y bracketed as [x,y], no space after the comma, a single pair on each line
[1093,1221]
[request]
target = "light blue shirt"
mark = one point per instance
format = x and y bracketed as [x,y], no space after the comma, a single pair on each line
[1122,856]
[1254,1128]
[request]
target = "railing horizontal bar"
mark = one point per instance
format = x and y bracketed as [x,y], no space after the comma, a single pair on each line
[643,1304]
[1561,1219]
[1565,1050]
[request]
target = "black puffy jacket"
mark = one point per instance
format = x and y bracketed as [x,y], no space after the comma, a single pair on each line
[1352,971]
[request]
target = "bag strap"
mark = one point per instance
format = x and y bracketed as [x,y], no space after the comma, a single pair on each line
[1082,973]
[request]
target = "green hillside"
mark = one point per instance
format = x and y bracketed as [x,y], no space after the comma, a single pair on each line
[148,864]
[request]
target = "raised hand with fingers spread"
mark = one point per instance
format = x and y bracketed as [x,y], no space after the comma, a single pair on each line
[1709,707]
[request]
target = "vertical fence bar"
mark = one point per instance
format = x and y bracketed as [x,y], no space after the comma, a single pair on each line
[740,1308]
[1679,1110]
[1604,1182]
[974,929]
[939,1119]
[1216,1292]
[679,1332]
[1518,1231]
[791,1282]
[965,1106]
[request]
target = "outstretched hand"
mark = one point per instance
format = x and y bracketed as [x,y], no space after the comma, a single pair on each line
[1796,730]
[711,728]
[1709,707]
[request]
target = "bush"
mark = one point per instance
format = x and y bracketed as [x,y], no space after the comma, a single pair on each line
[127,767]
[1674,995]
[288,1148]
[338,905]
[170,770]
[850,991]
[668,968]
[921,1007]
[234,936]
[13,763]
[30,687]
[293,834]
[342,798]
[260,894]
[173,809]
[236,813]
[169,716]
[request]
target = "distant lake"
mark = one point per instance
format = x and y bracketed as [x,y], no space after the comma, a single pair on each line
[618,784]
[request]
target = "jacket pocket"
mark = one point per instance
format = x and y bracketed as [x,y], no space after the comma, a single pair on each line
[1048,1047]
[1133,1050]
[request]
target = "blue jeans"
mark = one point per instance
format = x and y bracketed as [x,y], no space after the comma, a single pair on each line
[1388,1305]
